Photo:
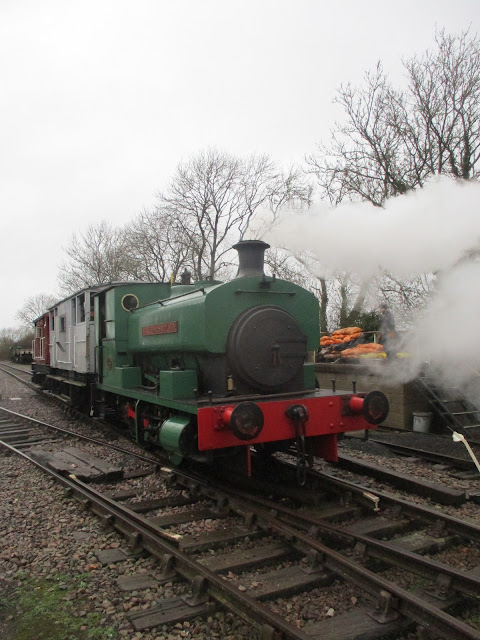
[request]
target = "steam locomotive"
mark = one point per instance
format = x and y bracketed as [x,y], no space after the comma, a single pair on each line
[204,369]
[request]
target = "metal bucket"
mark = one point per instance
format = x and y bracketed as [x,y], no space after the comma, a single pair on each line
[422,421]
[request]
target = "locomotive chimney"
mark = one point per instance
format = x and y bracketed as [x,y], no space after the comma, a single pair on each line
[250,257]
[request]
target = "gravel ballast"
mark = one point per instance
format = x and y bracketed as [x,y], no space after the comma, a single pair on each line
[45,537]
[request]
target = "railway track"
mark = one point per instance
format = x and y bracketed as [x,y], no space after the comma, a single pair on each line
[436,454]
[399,480]
[207,586]
[24,369]
[220,543]
[279,534]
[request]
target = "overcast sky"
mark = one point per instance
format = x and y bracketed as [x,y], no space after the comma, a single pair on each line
[100,100]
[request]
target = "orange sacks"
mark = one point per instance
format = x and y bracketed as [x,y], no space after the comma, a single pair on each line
[347,331]
[351,337]
[361,349]
[352,330]
[341,336]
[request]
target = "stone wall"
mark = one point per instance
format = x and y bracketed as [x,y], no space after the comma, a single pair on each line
[404,399]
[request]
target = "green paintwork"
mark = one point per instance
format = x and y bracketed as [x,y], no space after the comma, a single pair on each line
[138,394]
[205,317]
[171,432]
[126,377]
[111,330]
[178,384]
[309,377]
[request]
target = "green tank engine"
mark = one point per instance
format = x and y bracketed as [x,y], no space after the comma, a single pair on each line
[204,367]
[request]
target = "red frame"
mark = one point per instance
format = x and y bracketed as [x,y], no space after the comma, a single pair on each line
[324,419]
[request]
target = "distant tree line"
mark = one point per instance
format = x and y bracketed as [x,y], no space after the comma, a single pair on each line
[32,308]
[390,142]
[207,207]
[10,337]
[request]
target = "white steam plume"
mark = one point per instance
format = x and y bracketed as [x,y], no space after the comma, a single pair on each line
[447,334]
[425,230]
[429,230]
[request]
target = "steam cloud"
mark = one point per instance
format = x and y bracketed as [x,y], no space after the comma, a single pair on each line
[425,231]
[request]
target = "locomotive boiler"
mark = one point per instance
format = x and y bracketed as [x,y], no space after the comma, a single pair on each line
[210,368]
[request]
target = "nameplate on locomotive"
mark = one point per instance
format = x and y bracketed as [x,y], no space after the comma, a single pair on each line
[160,329]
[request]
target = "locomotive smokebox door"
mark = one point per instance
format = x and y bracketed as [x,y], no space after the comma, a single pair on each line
[266,348]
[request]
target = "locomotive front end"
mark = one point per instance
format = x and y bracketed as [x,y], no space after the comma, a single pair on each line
[267,343]
[212,368]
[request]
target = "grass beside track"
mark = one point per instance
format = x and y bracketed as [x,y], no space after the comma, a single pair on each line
[42,610]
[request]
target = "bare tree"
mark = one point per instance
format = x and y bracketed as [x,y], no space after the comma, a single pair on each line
[212,199]
[392,140]
[102,254]
[443,106]
[203,200]
[34,307]
[158,245]
[207,207]
[364,159]
[287,267]
[268,188]
[349,296]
